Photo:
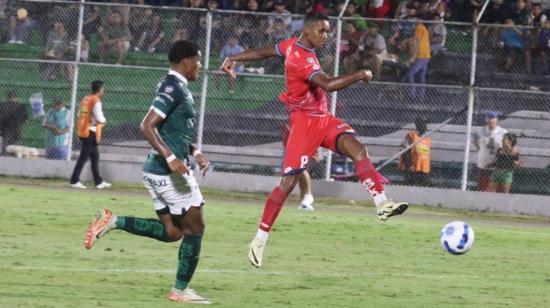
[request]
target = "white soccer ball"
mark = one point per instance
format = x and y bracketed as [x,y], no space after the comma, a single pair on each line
[457,237]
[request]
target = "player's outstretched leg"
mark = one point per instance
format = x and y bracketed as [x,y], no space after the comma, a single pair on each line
[105,220]
[367,174]
[273,206]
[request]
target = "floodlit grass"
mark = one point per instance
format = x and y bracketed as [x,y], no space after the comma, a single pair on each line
[337,256]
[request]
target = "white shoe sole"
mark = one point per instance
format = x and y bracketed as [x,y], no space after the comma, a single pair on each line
[385,213]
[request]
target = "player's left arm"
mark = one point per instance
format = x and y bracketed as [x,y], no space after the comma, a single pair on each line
[340,82]
[200,159]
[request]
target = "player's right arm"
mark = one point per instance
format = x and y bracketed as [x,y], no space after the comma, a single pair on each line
[330,84]
[247,55]
[149,131]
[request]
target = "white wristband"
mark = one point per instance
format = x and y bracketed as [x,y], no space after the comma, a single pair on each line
[197,152]
[171,158]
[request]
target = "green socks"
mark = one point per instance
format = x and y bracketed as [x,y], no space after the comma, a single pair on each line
[152,228]
[188,259]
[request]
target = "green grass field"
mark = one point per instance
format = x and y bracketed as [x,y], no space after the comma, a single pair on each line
[338,256]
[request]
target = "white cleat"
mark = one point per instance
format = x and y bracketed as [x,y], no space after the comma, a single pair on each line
[256,251]
[188,296]
[306,207]
[78,185]
[103,185]
[389,208]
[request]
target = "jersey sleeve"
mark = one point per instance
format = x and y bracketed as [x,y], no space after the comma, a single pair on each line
[166,101]
[308,67]
[282,46]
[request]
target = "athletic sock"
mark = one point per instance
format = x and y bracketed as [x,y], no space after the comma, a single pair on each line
[308,199]
[188,259]
[273,206]
[372,180]
[152,228]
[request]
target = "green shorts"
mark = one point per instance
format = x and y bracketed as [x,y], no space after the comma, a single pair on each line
[502,176]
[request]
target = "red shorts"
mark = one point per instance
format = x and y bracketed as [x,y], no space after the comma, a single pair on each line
[309,131]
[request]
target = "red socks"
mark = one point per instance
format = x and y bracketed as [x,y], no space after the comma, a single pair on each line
[273,206]
[369,177]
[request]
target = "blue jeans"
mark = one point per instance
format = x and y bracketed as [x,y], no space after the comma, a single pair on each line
[59,152]
[418,69]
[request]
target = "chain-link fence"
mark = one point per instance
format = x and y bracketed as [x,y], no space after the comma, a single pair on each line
[423,76]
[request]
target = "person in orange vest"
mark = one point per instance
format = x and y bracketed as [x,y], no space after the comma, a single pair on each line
[89,126]
[415,163]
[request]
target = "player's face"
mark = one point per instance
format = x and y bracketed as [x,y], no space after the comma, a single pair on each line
[193,67]
[317,33]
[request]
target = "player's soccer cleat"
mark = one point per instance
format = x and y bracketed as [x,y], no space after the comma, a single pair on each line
[306,207]
[389,208]
[103,185]
[256,251]
[78,185]
[103,221]
[188,296]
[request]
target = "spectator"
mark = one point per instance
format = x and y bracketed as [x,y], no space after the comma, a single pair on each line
[251,32]
[418,61]
[232,48]
[181,34]
[89,124]
[277,32]
[404,9]
[351,11]
[21,26]
[544,46]
[415,163]
[57,48]
[282,15]
[438,34]
[497,13]
[507,160]
[153,38]
[56,123]
[350,42]
[12,117]
[141,21]
[436,7]
[537,18]
[379,8]
[404,30]
[520,15]
[513,45]
[115,35]
[487,140]
[373,50]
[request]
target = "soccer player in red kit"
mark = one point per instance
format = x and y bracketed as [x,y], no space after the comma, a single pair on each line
[311,124]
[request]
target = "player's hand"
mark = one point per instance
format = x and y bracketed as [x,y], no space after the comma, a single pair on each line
[203,163]
[228,67]
[178,166]
[367,76]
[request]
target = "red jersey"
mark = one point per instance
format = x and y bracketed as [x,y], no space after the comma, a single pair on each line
[301,64]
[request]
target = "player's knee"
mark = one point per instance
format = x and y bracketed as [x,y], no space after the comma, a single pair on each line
[194,230]
[174,234]
[289,182]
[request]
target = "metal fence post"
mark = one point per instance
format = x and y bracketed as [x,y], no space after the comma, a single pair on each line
[334,96]
[74,87]
[471,98]
[204,87]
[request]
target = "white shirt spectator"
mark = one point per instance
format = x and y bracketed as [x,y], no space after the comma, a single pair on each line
[97,116]
[489,143]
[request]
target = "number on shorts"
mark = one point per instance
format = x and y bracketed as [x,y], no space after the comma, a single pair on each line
[304,160]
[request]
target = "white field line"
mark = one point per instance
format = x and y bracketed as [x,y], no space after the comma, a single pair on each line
[450,276]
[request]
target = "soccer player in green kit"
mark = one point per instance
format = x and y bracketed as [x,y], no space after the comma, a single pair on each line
[169,127]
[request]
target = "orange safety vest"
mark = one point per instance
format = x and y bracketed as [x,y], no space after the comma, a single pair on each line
[85,115]
[420,153]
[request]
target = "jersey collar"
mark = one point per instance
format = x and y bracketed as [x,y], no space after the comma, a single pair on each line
[304,47]
[178,75]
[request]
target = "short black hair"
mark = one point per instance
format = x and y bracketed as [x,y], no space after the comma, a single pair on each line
[512,137]
[97,85]
[315,17]
[182,49]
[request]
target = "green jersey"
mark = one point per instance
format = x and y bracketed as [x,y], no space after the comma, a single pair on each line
[174,103]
